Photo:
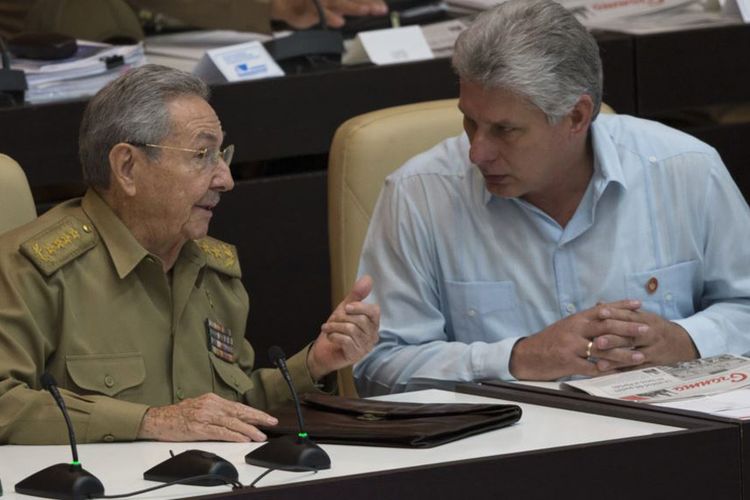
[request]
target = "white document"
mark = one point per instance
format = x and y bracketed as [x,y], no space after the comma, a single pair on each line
[388,46]
[732,404]
[691,17]
[244,61]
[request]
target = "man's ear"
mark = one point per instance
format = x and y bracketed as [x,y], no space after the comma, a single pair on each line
[123,162]
[580,116]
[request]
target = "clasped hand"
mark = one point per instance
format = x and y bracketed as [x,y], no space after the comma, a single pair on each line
[605,338]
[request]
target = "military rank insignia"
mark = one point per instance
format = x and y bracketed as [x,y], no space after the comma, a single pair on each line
[220,340]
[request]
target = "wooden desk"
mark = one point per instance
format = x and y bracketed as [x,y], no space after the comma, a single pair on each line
[589,452]
[574,399]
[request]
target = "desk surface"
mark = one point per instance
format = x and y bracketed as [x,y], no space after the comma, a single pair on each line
[540,428]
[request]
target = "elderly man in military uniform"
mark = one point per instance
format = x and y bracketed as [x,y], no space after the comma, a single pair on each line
[124,299]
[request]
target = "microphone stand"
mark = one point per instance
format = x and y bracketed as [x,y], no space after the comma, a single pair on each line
[290,453]
[12,81]
[307,47]
[65,481]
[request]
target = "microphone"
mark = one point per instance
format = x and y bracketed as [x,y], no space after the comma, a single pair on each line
[309,48]
[12,81]
[278,359]
[64,481]
[49,384]
[291,453]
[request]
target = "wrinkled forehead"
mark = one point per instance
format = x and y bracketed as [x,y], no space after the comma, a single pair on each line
[193,119]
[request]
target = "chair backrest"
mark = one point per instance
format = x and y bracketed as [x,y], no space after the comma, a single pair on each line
[364,151]
[16,204]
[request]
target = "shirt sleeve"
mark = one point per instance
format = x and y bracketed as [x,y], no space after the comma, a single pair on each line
[28,414]
[720,326]
[416,349]
[241,15]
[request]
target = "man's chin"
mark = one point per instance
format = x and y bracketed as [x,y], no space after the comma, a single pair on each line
[196,231]
[502,190]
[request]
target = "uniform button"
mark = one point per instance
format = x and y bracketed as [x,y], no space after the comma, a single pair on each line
[668,297]
[652,285]
[571,308]
[652,159]
[180,394]
[108,438]
[150,260]
[471,312]
[86,228]
[109,380]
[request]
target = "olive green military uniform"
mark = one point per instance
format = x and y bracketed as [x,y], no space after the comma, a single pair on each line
[81,298]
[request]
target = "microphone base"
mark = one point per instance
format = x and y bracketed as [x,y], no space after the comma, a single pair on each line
[64,481]
[290,453]
[305,51]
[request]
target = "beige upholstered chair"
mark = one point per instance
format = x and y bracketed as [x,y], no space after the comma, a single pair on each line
[364,151]
[16,204]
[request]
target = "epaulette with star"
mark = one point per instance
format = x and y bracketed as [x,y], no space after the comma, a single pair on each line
[220,256]
[59,244]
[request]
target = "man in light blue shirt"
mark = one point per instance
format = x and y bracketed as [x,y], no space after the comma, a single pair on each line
[548,241]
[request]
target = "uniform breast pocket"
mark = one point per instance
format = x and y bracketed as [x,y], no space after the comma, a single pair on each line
[119,375]
[230,382]
[669,291]
[483,311]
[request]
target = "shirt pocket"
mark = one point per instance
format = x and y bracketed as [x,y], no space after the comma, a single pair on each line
[484,311]
[230,381]
[108,374]
[667,291]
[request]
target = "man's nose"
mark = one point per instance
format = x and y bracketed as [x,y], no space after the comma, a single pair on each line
[222,179]
[483,150]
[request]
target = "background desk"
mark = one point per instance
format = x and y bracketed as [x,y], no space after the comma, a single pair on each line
[551,394]
[552,452]
[283,127]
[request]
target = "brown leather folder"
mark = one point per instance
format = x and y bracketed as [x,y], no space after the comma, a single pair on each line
[339,420]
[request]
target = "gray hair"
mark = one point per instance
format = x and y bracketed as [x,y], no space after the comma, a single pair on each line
[132,108]
[535,49]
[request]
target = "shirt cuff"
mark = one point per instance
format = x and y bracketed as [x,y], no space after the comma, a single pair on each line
[114,420]
[492,361]
[702,331]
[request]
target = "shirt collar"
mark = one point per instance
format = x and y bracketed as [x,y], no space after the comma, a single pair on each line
[607,163]
[123,248]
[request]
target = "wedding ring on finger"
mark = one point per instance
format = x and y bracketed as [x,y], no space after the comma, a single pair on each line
[589,346]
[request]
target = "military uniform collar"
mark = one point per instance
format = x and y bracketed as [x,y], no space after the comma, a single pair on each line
[123,248]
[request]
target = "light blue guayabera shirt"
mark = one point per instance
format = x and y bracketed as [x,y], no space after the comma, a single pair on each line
[461,274]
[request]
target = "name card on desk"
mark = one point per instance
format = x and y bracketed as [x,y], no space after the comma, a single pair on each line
[244,61]
[388,46]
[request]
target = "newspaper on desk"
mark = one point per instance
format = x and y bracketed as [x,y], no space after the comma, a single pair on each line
[688,379]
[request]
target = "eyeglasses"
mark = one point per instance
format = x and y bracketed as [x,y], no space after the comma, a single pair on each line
[208,158]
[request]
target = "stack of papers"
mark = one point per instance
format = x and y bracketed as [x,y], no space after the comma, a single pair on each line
[184,50]
[637,17]
[82,75]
